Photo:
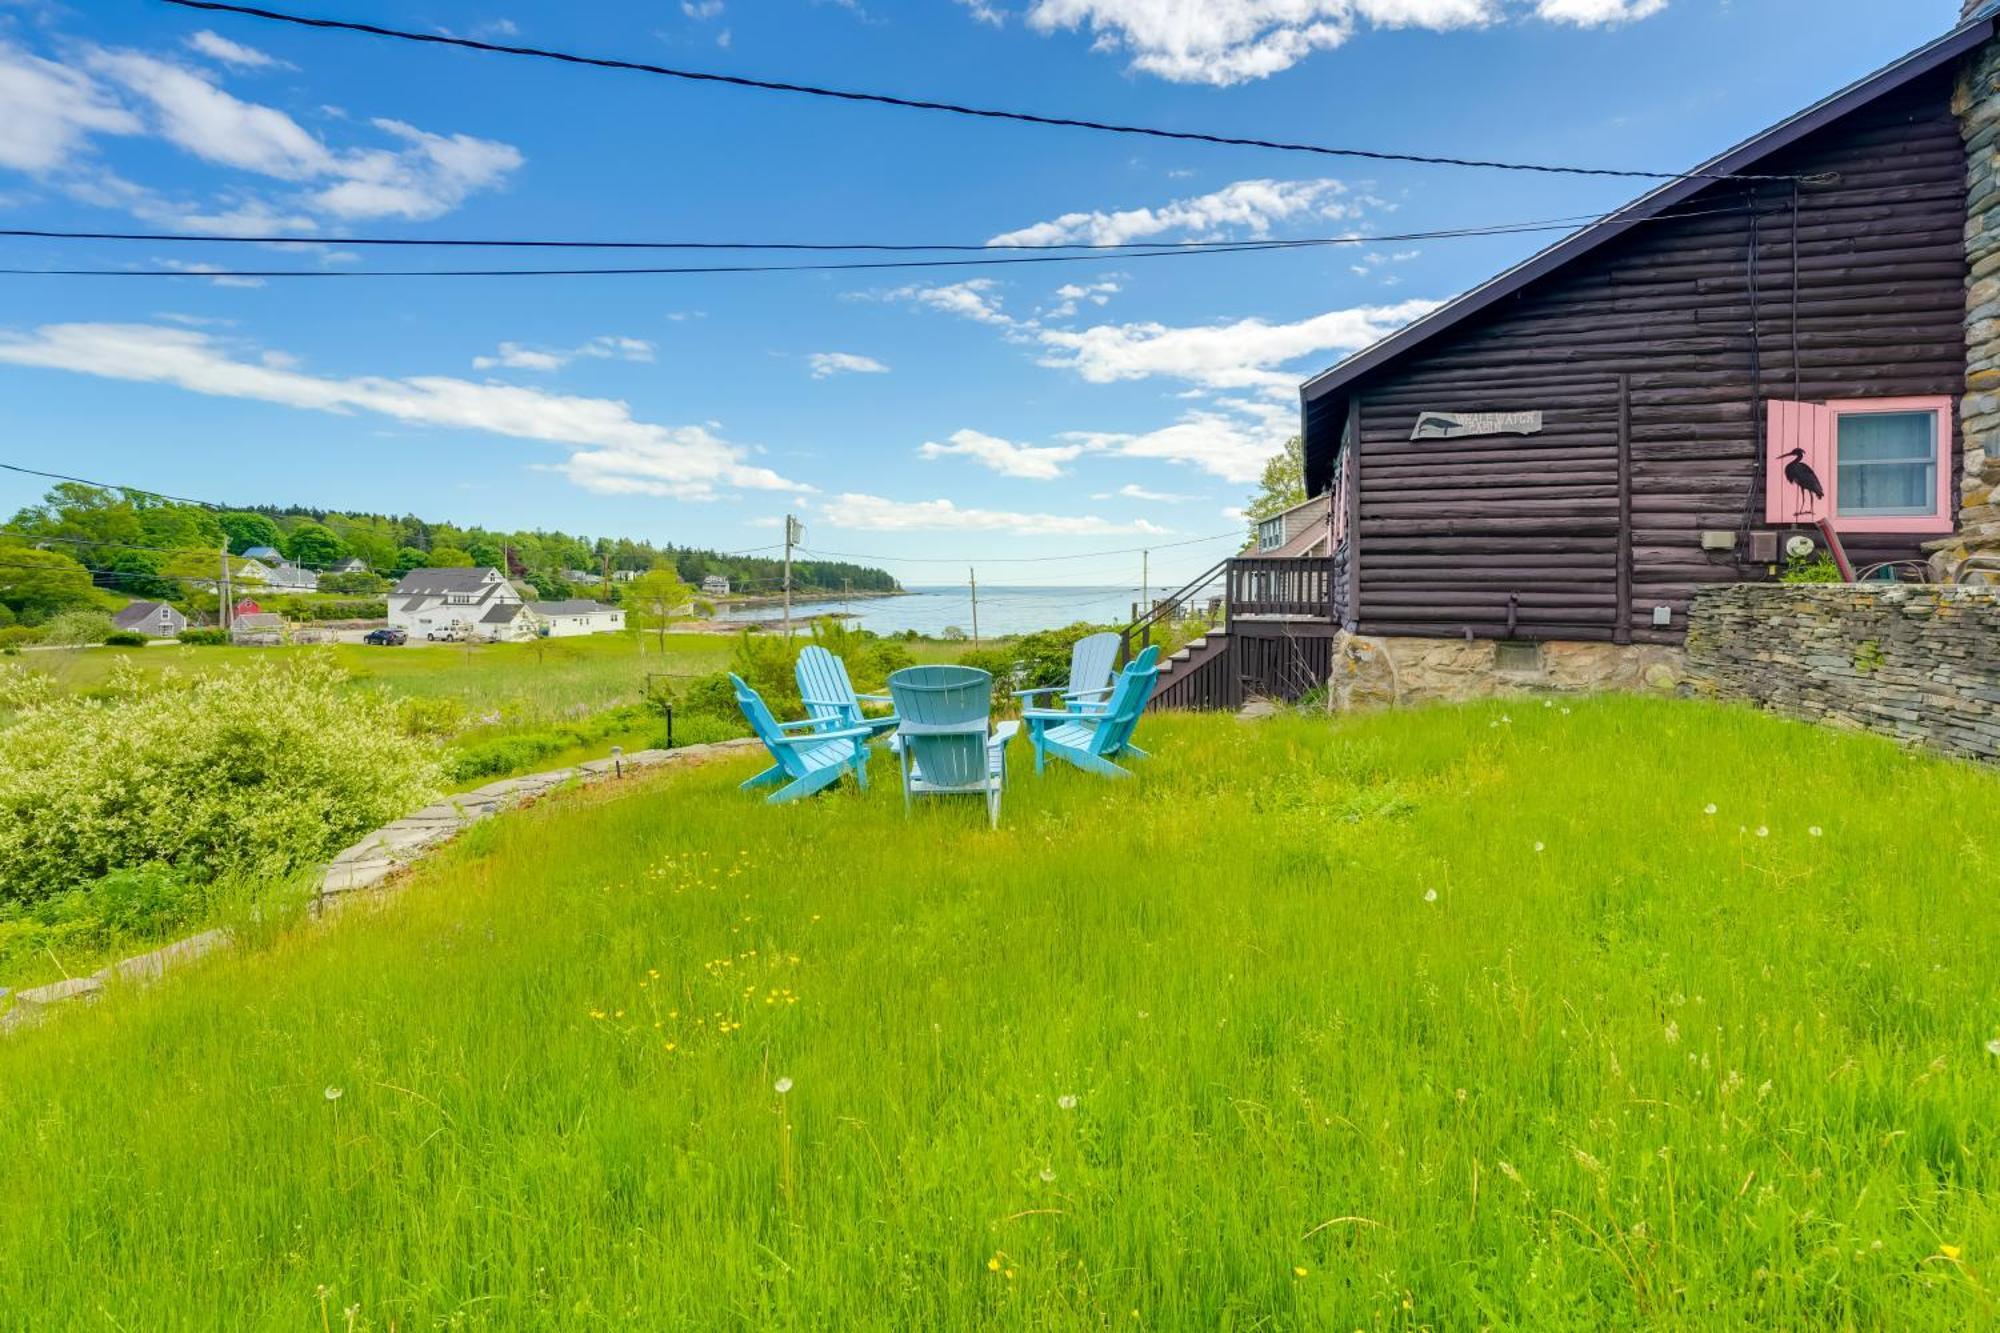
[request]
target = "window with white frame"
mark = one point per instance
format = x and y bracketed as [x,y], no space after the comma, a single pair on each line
[1886,463]
[1271,533]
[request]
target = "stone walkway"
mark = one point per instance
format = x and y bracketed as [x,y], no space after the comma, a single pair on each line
[367,865]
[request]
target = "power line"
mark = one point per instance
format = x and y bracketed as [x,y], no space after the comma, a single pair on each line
[108,486]
[952,108]
[1098,254]
[889,247]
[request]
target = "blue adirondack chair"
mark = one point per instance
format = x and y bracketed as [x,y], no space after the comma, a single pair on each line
[803,763]
[1090,662]
[1092,738]
[829,695]
[942,737]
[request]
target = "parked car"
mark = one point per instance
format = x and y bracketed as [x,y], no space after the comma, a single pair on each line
[388,636]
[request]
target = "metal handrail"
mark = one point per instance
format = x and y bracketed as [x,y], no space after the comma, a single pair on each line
[1977,560]
[1165,607]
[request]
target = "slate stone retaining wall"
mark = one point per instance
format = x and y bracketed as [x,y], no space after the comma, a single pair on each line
[1920,663]
[365,865]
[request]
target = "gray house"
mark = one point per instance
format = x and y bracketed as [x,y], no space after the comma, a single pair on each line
[156,619]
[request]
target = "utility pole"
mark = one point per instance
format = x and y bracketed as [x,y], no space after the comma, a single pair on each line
[1146,579]
[973,574]
[794,532]
[222,604]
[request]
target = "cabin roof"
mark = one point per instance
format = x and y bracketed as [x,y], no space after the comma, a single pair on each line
[1743,158]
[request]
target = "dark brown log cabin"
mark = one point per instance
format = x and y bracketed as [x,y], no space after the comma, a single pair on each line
[1654,345]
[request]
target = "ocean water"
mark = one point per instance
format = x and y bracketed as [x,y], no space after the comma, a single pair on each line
[1002,610]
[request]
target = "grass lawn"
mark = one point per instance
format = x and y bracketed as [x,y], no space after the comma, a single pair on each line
[1429,1020]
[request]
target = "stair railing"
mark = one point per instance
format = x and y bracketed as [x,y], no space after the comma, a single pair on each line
[1165,609]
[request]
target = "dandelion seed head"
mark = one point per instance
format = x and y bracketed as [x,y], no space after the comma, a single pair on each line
[1814,832]
[1048,1176]
[1067,1101]
[1430,895]
[1993,1046]
[1541,846]
[1763,830]
[332,1093]
[782,1086]
[1708,809]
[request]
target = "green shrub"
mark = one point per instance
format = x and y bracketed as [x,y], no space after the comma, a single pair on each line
[318,609]
[359,583]
[1818,568]
[1033,660]
[705,728]
[209,637]
[251,770]
[15,635]
[515,751]
[72,628]
[125,638]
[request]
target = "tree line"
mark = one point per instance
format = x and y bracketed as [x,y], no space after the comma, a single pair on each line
[90,547]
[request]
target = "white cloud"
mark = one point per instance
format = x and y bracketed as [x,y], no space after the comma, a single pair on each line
[1233,447]
[215,125]
[1220,356]
[427,179]
[1224,42]
[1132,491]
[875,514]
[985,12]
[234,54]
[50,111]
[193,269]
[1034,462]
[604,347]
[1597,13]
[825,364]
[701,10]
[974,299]
[1071,295]
[1245,207]
[612,451]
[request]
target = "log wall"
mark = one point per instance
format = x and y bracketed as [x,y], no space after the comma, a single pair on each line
[1649,359]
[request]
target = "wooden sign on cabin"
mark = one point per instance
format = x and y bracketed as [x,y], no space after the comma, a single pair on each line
[1459,425]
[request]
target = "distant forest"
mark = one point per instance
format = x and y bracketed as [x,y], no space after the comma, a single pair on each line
[383,542]
[83,541]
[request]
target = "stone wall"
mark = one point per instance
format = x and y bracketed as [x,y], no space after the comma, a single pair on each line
[1917,662]
[1369,672]
[1978,106]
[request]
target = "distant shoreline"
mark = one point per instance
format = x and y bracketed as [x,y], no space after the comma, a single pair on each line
[801,595]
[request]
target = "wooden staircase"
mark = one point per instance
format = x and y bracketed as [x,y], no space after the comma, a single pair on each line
[1199,675]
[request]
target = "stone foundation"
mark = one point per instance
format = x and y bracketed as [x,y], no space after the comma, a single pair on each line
[1917,662]
[1370,672]
[1977,102]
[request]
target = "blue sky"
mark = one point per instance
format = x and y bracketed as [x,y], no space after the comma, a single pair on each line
[933,416]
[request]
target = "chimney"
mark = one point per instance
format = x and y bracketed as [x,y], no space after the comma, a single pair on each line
[1977,104]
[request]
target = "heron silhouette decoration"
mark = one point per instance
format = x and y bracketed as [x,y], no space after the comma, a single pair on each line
[1800,474]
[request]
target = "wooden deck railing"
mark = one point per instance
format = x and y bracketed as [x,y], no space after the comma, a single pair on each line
[1296,586]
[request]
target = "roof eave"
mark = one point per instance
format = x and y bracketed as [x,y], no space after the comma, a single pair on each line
[1916,64]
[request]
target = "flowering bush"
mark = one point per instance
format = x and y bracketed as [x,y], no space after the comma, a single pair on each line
[253,771]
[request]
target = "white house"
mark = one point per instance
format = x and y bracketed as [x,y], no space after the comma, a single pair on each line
[456,604]
[277,575]
[715,585]
[354,564]
[560,620]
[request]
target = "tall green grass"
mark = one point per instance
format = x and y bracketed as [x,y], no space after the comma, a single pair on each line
[1452,1019]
